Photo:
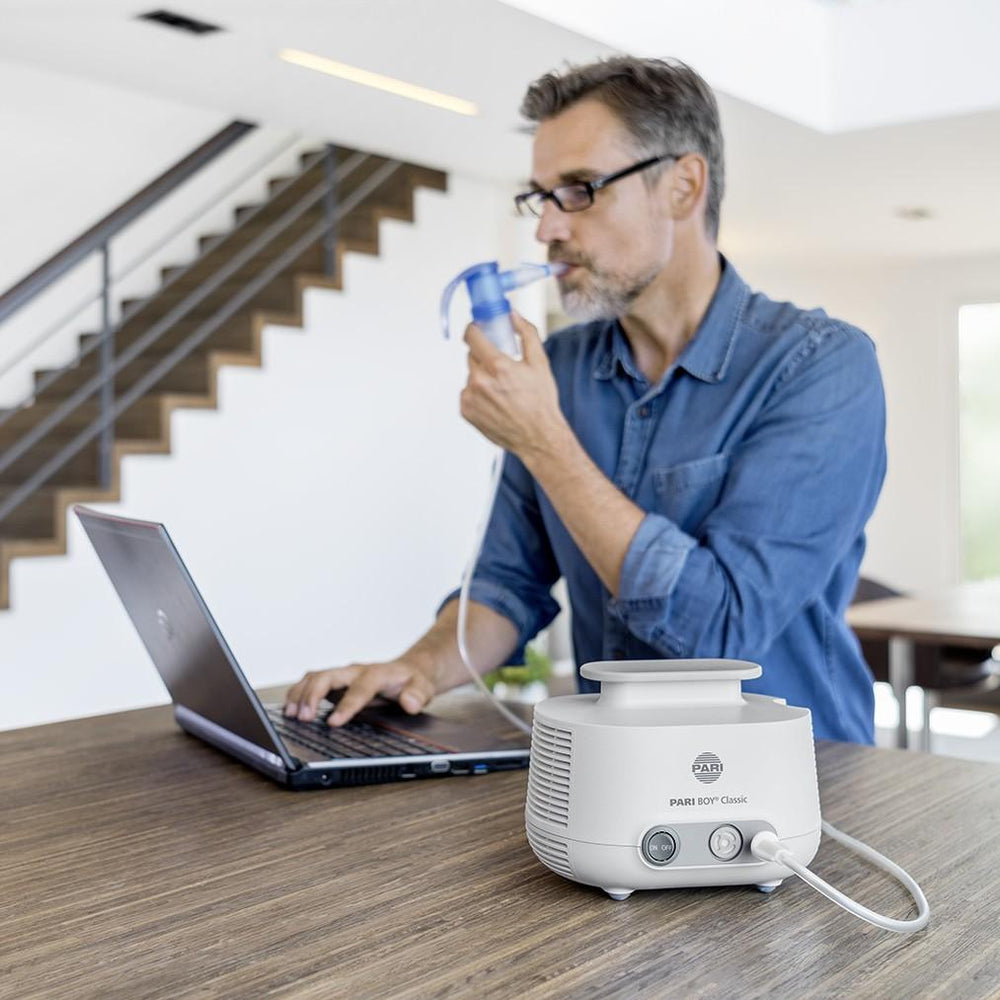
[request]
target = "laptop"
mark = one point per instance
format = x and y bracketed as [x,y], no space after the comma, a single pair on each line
[214,702]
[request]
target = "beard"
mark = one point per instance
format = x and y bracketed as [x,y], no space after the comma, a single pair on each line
[593,293]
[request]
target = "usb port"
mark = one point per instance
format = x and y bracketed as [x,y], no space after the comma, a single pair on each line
[480,768]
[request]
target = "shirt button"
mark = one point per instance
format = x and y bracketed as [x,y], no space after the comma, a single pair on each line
[643,412]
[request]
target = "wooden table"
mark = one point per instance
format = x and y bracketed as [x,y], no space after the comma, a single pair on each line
[139,863]
[967,614]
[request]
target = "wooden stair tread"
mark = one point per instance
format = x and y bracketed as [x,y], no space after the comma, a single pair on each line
[144,428]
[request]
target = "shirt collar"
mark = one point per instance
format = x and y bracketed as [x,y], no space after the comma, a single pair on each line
[615,355]
[707,354]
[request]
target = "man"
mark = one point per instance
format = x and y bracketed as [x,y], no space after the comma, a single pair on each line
[698,461]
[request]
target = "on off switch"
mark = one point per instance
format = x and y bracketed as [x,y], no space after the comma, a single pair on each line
[659,846]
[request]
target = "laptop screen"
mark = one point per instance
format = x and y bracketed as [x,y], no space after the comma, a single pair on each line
[175,625]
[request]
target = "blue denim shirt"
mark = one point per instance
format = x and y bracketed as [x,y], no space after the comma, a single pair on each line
[758,458]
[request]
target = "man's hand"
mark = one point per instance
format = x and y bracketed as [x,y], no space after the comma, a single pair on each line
[431,665]
[513,403]
[399,679]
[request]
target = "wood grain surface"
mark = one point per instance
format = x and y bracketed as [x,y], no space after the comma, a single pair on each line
[967,614]
[140,863]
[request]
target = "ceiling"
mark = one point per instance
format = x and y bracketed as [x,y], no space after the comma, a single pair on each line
[796,79]
[831,64]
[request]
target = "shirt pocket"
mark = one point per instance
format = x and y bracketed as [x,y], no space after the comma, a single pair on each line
[686,493]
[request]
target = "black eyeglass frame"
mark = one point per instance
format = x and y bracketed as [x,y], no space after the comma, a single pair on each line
[522,201]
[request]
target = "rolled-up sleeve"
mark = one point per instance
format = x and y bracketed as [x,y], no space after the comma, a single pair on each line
[802,483]
[516,568]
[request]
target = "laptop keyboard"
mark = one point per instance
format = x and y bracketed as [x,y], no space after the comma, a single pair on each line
[356,739]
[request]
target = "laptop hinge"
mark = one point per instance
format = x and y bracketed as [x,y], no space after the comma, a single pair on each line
[211,732]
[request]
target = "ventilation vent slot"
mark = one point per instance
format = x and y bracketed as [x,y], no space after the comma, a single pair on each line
[549,774]
[553,852]
[369,775]
[179,21]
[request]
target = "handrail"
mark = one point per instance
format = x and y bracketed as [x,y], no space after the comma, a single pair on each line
[178,312]
[146,254]
[197,336]
[97,236]
[179,273]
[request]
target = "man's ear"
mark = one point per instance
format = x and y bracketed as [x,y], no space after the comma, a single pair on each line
[688,185]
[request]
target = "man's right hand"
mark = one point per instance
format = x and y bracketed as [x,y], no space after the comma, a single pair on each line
[431,665]
[399,679]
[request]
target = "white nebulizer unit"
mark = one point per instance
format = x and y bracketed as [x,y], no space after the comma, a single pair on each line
[664,778]
[671,776]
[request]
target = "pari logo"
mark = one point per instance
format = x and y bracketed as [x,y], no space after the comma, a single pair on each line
[707,767]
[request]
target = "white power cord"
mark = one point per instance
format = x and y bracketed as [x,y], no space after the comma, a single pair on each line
[767,847]
[463,598]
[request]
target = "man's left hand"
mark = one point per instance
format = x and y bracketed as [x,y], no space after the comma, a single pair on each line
[514,403]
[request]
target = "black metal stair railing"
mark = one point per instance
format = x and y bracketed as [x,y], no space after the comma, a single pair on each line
[98,239]
[50,378]
[112,362]
[104,231]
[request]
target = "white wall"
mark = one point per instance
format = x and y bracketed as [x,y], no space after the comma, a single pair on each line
[910,309]
[81,150]
[324,510]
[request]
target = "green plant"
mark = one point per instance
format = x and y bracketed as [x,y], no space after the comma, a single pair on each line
[537,666]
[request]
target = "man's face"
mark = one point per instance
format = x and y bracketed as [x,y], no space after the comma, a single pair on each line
[624,240]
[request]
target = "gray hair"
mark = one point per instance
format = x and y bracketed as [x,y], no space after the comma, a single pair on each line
[663,103]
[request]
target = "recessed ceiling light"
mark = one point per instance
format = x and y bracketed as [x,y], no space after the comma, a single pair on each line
[914,213]
[379,82]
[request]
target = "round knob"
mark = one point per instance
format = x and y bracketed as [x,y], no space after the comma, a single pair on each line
[726,842]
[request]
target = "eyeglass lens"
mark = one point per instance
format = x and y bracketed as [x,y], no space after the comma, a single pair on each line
[568,198]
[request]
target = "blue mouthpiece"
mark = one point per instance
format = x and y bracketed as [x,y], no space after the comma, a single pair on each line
[487,284]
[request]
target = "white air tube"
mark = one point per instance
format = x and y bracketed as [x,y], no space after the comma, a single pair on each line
[767,847]
[463,597]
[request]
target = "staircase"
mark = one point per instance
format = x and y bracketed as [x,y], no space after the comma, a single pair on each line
[377,188]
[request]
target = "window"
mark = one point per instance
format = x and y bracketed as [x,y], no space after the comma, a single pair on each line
[979,438]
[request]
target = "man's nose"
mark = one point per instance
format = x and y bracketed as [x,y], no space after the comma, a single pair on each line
[553,225]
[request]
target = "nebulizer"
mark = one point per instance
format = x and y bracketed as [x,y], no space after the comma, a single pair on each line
[487,286]
[743,810]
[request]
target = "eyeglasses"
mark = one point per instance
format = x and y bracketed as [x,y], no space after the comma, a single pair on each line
[577,196]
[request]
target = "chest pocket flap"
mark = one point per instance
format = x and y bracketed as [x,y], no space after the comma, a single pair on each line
[687,492]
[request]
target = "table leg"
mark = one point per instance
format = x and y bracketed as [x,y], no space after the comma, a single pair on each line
[900,678]
[930,701]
